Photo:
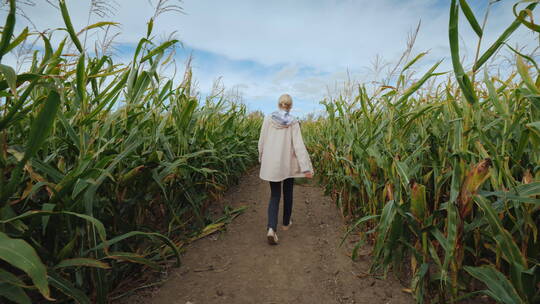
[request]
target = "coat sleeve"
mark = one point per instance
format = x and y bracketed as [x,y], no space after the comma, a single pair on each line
[300,149]
[262,135]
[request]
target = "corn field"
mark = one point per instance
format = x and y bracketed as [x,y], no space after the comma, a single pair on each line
[106,168]
[443,180]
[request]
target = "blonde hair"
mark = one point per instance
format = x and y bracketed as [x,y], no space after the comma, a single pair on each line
[285,102]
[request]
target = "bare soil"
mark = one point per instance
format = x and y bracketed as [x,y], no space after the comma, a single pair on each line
[307,266]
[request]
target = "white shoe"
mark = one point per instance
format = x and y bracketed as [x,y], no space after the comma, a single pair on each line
[283,227]
[272,237]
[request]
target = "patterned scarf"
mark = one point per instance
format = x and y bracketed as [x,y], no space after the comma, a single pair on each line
[283,117]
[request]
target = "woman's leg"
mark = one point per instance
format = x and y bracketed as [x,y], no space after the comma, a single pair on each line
[287,200]
[273,205]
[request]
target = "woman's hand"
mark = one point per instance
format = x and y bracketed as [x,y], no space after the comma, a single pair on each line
[309,174]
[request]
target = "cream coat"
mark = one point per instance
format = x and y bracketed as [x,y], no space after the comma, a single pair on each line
[282,152]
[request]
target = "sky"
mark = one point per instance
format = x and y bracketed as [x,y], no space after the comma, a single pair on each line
[306,48]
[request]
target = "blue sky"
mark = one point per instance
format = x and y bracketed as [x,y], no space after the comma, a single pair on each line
[306,48]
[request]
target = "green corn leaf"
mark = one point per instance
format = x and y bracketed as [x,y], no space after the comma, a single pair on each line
[466,9]
[159,50]
[95,222]
[522,193]
[357,246]
[119,238]
[535,127]
[493,96]
[68,249]
[55,57]
[410,63]
[383,228]
[22,37]
[133,258]
[462,78]
[521,17]
[358,222]
[48,49]
[149,27]
[500,41]
[452,227]
[504,239]
[529,59]
[14,293]
[499,288]
[8,29]
[107,99]
[403,171]
[20,79]
[418,84]
[98,25]
[103,75]
[52,173]
[38,131]
[95,64]
[81,80]
[20,254]
[45,219]
[67,288]
[69,25]
[75,139]
[42,125]
[416,282]
[14,110]
[82,262]
[11,279]
[441,239]
[11,78]
[523,71]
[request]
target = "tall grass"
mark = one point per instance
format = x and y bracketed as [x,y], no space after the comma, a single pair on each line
[444,177]
[104,167]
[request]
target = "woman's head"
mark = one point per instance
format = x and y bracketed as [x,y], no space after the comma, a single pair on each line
[285,102]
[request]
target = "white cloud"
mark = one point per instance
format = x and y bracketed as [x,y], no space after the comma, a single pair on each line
[327,36]
[285,74]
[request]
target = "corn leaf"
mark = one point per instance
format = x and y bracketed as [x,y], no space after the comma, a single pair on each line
[8,29]
[499,288]
[466,9]
[84,262]
[69,25]
[67,288]
[500,41]
[503,238]
[20,254]
[14,293]
[462,78]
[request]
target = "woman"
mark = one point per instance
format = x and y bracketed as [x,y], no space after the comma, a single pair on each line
[283,157]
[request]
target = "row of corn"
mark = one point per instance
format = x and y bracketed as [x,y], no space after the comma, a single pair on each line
[443,180]
[105,168]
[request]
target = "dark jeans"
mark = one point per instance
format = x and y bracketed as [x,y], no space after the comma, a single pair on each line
[275,196]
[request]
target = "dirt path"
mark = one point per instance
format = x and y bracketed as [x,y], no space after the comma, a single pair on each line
[238,265]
